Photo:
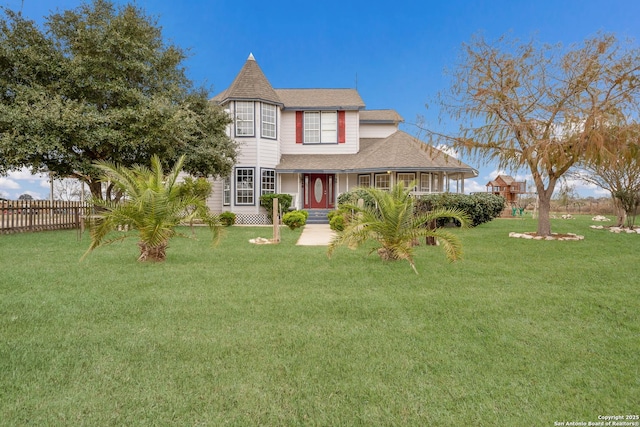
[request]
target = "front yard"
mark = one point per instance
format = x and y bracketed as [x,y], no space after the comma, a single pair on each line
[519,332]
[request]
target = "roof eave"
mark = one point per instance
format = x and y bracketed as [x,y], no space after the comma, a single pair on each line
[468,173]
[264,100]
[323,107]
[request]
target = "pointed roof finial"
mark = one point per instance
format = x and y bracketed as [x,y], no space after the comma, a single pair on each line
[250,84]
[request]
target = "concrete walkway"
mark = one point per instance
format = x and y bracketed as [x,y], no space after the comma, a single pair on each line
[315,235]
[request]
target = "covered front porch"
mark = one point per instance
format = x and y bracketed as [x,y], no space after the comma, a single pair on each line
[321,189]
[317,180]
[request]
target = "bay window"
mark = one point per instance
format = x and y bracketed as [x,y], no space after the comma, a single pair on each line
[269,121]
[244,186]
[244,118]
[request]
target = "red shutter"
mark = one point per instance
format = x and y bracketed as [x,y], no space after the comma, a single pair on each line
[299,127]
[341,133]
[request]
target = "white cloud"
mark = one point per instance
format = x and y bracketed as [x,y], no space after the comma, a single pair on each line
[24,174]
[518,176]
[8,184]
[17,183]
[473,186]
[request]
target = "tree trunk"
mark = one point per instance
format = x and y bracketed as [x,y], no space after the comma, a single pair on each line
[431,240]
[96,189]
[386,254]
[544,201]
[156,253]
[544,219]
[621,217]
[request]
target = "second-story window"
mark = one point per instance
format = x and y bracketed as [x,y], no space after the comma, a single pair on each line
[268,121]
[320,127]
[244,118]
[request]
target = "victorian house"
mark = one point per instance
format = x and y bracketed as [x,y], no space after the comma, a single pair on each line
[316,144]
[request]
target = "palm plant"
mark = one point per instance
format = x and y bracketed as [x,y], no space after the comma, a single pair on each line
[153,205]
[396,226]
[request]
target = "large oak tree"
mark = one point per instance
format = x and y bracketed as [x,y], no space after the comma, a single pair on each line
[542,107]
[99,83]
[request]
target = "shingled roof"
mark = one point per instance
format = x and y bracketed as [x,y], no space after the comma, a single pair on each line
[380,116]
[398,152]
[249,84]
[331,99]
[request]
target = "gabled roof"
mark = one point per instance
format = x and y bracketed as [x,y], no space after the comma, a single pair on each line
[398,152]
[330,99]
[501,180]
[249,84]
[380,116]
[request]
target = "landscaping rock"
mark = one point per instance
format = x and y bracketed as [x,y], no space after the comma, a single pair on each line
[260,241]
[554,236]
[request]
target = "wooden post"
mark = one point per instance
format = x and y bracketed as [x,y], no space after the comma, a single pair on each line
[276,221]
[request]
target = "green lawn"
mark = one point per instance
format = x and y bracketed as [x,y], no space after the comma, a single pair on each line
[520,332]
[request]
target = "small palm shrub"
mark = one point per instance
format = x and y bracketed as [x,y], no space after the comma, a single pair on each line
[394,223]
[295,219]
[154,204]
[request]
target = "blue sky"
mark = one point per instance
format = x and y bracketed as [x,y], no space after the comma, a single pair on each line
[394,51]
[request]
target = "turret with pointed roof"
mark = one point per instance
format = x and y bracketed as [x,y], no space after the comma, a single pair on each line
[249,84]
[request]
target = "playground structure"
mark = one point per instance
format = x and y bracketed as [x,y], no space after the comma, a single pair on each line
[515,194]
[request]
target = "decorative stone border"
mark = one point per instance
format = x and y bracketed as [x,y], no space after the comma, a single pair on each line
[554,236]
[617,230]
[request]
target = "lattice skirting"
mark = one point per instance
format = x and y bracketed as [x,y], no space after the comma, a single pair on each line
[252,219]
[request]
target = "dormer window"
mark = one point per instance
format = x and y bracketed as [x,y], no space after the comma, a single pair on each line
[269,121]
[244,118]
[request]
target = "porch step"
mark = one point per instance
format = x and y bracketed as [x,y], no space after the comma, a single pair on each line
[318,216]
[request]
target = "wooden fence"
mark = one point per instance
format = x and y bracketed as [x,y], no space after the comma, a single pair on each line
[17,216]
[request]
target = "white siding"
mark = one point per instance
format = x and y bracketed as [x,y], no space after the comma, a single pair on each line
[288,137]
[214,202]
[377,130]
[290,184]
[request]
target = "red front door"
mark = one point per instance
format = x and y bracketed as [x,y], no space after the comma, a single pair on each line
[319,191]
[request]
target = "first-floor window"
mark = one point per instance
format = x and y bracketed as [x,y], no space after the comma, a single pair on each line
[244,186]
[364,180]
[226,190]
[425,182]
[406,178]
[268,181]
[383,181]
[435,183]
